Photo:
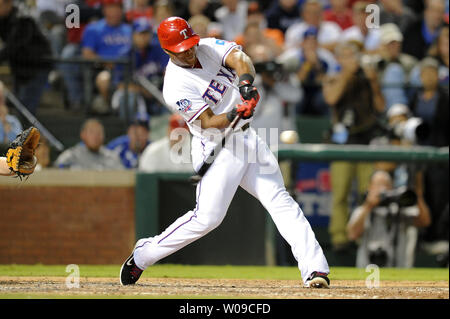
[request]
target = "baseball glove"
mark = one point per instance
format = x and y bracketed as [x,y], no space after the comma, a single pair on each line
[20,156]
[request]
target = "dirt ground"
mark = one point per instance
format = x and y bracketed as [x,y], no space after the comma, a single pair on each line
[223,288]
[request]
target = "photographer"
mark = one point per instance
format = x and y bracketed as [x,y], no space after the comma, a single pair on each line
[393,67]
[402,129]
[387,224]
[356,102]
[311,64]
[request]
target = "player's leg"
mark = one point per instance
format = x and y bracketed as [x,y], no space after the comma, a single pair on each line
[214,194]
[264,181]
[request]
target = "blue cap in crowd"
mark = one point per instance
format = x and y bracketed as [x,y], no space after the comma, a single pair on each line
[141,119]
[311,32]
[142,25]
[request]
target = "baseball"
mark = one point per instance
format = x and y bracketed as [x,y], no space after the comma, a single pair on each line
[289,137]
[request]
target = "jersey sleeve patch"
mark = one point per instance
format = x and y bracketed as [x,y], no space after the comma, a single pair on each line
[184,105]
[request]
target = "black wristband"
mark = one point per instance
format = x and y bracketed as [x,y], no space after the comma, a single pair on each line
[246,79]
[232,114]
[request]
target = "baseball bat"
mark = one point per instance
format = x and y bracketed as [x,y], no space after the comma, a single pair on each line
[210,159]
[34,121]
[153,89]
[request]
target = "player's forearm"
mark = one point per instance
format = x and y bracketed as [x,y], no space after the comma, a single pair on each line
[216,121]
[240,62]
[210,120]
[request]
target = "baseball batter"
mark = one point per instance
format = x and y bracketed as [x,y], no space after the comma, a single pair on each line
[208,82]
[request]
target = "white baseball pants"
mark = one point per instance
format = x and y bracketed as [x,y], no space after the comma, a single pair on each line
[245,161]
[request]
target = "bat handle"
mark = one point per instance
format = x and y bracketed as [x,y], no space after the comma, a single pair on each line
[195,179]
[236,120]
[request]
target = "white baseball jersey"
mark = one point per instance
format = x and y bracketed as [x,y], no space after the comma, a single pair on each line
[190,91]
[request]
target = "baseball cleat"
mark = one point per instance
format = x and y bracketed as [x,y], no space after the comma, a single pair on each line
[318,280]
[129,273]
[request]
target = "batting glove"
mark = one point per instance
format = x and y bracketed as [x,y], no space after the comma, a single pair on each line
[246,109]
[247,90]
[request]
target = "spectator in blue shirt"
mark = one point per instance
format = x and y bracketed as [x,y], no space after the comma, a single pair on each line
[312,64]
[149,61]
[90,11]
[129,147]
[107,38]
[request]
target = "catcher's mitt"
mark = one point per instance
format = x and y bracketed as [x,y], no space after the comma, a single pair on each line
[20,156]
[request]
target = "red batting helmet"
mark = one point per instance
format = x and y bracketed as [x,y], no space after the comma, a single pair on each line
[176,35]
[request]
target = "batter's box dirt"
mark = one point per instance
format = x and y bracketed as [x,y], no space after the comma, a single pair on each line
[222,288]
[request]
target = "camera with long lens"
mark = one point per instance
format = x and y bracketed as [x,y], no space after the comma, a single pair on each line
[270,67]
[402,196]
[378,256]
[413,130]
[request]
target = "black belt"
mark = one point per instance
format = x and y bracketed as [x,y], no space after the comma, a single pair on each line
[245,126]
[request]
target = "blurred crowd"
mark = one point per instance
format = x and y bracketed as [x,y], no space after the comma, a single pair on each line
[378,70]
[302,37]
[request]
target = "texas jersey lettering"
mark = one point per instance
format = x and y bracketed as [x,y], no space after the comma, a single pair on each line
[213,85]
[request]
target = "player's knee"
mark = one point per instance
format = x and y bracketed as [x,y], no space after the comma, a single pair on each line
[212,220]
[281,202]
